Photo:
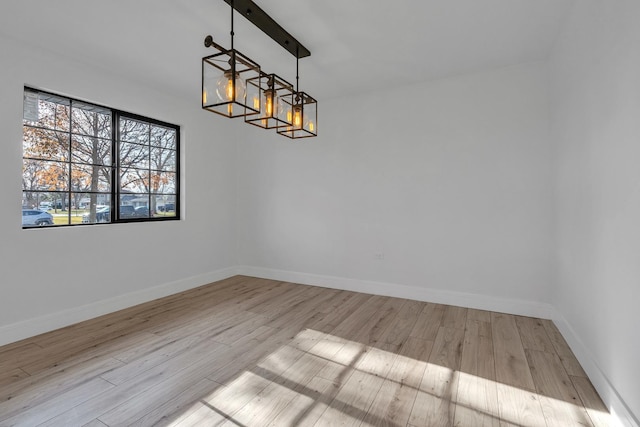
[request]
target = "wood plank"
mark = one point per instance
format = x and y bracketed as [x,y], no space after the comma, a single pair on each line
[559,400]
[394,401]
[95,423]
[479,315]
[136,386]
[435,400]
[567,357]
[174,407]
[511,362]
[533,334]
[352,402]
[428,322]
[327,322]
[32,415]
[376,330]
[596,409]
[402,324]
[519,407]
[477,399]
[37,389]
[284,387]
[299,411]
[454,317]
[15,356]
[11,376]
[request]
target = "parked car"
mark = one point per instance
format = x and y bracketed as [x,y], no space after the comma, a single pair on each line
[127,211]
[35,217]
[167,207]
[102,215]
[142,212]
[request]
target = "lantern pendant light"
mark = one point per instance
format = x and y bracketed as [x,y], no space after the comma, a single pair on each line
[224,77]
[275,95]
[302,114]
[234,85]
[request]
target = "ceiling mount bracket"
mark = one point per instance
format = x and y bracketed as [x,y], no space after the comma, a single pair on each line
[264,22]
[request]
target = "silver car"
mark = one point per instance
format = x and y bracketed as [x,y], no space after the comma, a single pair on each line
[35,217]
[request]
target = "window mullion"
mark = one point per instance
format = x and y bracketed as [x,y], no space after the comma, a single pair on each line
[115,163]
[70,145]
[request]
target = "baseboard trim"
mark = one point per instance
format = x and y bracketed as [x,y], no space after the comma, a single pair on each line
[616,405]
[39,325]
[481,302]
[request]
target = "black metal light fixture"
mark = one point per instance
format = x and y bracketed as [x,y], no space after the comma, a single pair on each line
[224,76]
[276,94]
[234,86]
[302,114]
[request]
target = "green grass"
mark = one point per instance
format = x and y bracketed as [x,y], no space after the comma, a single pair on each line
[62,218]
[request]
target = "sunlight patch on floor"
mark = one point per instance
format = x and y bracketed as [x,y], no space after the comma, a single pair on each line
[319,378]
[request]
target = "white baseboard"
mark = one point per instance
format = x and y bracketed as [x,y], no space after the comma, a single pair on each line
[616,405]
[481,302]
[29,328]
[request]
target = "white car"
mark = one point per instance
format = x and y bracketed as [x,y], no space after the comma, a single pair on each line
[35,217]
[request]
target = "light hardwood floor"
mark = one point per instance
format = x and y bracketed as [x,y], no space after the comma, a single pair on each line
[255,352]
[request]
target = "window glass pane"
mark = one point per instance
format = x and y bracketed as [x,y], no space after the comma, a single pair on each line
[44,208]
[163,182]
[133,155]
[86,149]
[163,160]
[44,175]
[52,112]
[134,131]
[165,206]
[126,211]
[134,181]
[94,208]
[88,178]
[45,144]
[45,201]
[90,120]
[140,203]
[163,137]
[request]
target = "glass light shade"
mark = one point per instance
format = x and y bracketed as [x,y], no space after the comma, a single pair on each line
[228,90]
[224,88]
[275,94]
[302,115]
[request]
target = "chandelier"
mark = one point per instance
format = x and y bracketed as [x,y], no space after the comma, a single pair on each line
[233,85]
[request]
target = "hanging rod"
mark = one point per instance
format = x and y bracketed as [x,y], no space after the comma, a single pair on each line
[260,19]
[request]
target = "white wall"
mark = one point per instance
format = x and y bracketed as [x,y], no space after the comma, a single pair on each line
[596,125]
[60,275]
[450,181]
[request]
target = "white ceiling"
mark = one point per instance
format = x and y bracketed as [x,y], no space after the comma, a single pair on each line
[356,46]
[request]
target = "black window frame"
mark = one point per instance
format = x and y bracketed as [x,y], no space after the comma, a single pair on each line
[115,192]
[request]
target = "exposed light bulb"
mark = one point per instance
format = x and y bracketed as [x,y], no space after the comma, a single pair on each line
[297,117]
[268,103]
[229,89]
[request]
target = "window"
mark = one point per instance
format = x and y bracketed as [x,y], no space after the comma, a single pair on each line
[87,164]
